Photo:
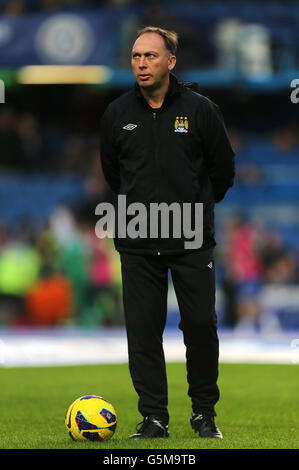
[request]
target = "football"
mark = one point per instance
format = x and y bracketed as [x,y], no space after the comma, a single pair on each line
[90,418]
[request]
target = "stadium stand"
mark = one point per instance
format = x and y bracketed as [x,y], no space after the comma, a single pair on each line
[50,171]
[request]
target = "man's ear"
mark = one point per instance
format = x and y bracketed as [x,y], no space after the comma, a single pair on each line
[171,62]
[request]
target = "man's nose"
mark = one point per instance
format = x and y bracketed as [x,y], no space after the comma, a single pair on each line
[142,63]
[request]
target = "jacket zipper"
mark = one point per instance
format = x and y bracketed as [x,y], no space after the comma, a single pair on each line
[156,156]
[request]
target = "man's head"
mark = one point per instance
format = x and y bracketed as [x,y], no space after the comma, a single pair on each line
[153,56]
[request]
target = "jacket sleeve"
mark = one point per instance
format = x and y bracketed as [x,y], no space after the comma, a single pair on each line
[218,154]
[108,152]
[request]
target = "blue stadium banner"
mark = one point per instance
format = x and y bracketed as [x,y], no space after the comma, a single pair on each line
[67,37]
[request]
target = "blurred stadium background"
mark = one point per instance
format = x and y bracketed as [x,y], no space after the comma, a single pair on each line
[62,62]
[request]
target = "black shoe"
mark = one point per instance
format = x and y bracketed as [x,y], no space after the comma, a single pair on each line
[151,427]
[205,425]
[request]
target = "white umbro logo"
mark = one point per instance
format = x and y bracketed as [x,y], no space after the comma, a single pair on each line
[130,127]
[210,265]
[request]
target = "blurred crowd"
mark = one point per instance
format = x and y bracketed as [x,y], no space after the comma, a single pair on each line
[249,257]
[29,146]
[60,272]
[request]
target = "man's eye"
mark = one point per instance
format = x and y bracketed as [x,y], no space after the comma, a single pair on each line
[147,56]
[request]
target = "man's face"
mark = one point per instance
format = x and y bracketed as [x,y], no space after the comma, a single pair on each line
[151,62]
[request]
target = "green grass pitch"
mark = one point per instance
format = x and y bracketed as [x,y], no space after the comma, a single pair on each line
[258,407]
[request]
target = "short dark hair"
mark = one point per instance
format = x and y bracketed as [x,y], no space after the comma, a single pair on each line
[170,37]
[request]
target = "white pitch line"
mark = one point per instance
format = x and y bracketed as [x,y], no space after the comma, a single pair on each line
[104,347]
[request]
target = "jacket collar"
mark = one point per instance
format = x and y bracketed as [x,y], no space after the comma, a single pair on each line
[174,88]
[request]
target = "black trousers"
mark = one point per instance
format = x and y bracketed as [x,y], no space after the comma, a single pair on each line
[145,286]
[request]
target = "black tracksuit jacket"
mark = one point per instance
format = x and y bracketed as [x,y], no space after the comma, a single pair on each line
[152,161]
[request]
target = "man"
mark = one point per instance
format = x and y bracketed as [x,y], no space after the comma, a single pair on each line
[145,157]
